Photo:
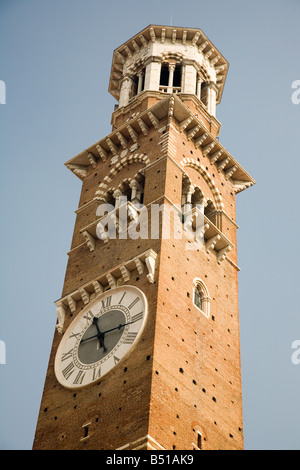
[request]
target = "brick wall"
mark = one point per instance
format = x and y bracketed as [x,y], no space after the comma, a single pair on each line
[183,376]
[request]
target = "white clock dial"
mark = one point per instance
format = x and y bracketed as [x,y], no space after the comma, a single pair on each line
[100,336]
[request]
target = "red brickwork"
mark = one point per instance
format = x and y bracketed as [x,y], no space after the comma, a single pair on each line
[183,377]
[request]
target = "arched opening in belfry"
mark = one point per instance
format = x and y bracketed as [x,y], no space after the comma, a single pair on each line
[170,78]
[191,196]
[177,76]
[138,83]
[134,85]
[132,190]
[164,75]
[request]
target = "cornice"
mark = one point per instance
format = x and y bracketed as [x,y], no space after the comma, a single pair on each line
[127,135]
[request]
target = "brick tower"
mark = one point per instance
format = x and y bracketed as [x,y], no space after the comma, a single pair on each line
[146,351]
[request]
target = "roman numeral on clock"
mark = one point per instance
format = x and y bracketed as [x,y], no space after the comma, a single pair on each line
[79,377]
[68,370]
[74,335]
[130,337]
[66,355]
[96,373]
[88,316]
[106,302]
[116,360]
[133,303]
[137,316]
[120,301]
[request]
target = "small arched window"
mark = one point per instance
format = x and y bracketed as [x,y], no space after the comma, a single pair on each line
[198,297]
[201,297]
[137,83]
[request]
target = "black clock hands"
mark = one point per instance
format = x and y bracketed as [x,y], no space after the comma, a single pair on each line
[101,334]
[118,327]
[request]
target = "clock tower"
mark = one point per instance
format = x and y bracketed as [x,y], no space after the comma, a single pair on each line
[146,350]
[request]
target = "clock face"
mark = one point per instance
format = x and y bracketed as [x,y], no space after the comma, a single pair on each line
[100,336]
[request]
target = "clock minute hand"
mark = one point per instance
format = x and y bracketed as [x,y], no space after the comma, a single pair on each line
[118,327]
[107,331]
[90,337]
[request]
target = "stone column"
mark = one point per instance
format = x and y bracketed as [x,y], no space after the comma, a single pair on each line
[182,78]
[190,79]
[117,196]
[125,92]
[133,185]
[212,98]
[189,194]
[140,82]
[171,77]
[152,74]
[201,206]
[198,87]
[136,192]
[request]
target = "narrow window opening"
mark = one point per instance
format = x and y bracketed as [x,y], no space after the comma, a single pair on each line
[177,77]
[134,85]
[204,93]
[85,431]
[164,75]
[143,81]
[199,440]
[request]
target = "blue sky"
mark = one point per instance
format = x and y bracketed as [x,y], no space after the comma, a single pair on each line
[55,62]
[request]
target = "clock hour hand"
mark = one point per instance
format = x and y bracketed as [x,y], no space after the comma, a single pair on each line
[99,335]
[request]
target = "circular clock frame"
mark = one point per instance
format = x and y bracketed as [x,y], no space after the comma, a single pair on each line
[126,302]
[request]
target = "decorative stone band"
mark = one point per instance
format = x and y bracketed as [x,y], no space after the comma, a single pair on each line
[144,262]
[124,141]
[190,162]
